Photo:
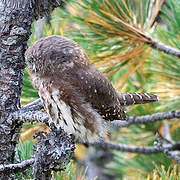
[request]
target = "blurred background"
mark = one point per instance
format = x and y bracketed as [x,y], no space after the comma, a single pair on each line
[113,34]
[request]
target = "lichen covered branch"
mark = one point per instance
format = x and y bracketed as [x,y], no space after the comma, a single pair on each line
[147,118]
[17,167]
[34,106]
[52,150]
[31,116]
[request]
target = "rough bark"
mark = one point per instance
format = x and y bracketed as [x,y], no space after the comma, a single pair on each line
[52,150]
[16,17]
[15,23]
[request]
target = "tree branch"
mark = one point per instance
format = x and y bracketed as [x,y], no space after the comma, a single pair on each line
[135,149]
[52,151]
[175,155]
[42,117]
[37,105]
[147,118]
[164,48]
[171,149]
[171,153]
[166,148]
[31,116]
[34,106]
[18,167]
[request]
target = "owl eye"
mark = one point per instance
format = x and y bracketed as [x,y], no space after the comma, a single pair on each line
[63,59]
[53,55]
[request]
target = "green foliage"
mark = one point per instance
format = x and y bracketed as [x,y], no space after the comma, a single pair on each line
[170,15]
[29,94]
[71,173]
[166,67]
[136,166]
[160,173]
[24,151]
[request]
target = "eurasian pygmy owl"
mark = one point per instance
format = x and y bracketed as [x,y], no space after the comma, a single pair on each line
[77,96]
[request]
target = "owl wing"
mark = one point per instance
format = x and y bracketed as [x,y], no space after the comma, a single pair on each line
[97,90]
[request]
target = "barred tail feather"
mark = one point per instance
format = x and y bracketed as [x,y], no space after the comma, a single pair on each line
[127,99]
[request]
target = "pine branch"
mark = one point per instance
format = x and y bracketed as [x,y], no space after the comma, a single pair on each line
[25,115]
[37,116]
[147,118]
[18,167]
[168,149]
[173,153]
[134,149]
[31,116]
[164,48]
[34,106]
[52,150]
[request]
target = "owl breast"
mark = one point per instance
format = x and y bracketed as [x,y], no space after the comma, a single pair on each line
[68,117]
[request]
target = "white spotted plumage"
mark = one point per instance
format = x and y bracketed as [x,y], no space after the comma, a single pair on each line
[65,120]
[77,96]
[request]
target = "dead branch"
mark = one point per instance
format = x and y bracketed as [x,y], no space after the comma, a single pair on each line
[52,150]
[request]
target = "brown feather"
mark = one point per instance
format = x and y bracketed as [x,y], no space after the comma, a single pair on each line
[75,94]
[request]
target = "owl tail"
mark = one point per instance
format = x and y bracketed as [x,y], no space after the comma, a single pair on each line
[127,99]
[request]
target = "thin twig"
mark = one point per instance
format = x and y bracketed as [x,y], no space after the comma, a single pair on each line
[165,48]
[18,167]
[175,155]
[147,118]
[134,149]
[171,153]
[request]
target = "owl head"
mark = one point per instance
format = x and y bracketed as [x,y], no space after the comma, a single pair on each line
[54,53]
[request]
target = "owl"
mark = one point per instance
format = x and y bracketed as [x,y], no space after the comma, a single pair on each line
[77,97]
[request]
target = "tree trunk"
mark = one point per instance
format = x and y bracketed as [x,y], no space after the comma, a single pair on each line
[15,24]
[16,17]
